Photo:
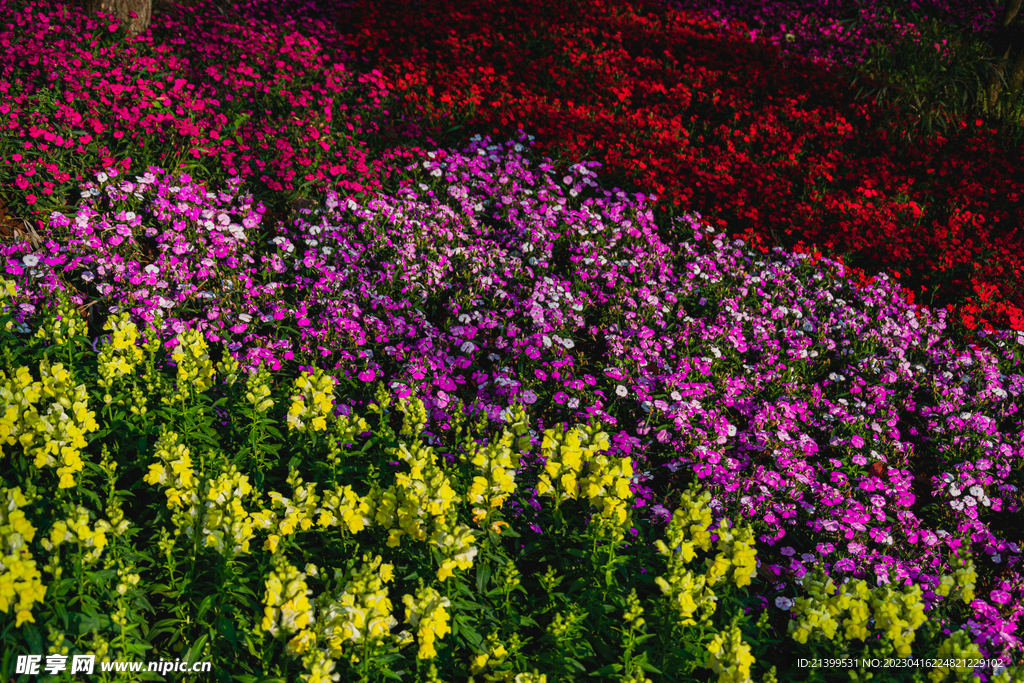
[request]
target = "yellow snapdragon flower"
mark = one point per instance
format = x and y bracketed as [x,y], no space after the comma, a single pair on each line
[957,646]
[363,611]
[729,657]
[54,437]
[21,585]
[121,355]
[426,612]
[313,403]
[195,369]
[287,609]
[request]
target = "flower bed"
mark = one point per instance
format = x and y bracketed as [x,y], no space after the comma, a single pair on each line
[833,420]
[769,148]
[485,418]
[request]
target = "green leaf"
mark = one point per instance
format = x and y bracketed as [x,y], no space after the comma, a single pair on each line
[576,664]
[61,613]
[204,606]
[483,575]
[471,635]
[649,667]
[251,646]
[227,629]
[196,651]
[607,670]
[35,641]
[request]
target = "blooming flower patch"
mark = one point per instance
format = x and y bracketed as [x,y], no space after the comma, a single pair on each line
[491,418]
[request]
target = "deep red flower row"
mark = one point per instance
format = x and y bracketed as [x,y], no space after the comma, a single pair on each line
[776,150]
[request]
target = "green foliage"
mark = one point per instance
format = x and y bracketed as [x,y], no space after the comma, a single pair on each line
[936,80]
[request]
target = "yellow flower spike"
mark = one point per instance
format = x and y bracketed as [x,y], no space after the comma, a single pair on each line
[313,404]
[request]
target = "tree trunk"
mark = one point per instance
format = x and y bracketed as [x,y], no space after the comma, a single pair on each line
[122,10]
[1006,44]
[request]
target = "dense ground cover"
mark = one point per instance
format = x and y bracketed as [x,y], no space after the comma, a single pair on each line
[567,439]
[767,147]
[844,32]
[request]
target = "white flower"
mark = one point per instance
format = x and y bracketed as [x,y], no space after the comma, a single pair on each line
[30,260]
[152,269]
[568,343]
[468,347]
[102,177]
[783,602]
[977,491]
[621,390]
[676,396]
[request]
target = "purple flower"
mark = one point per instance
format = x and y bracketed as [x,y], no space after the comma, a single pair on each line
[660,513]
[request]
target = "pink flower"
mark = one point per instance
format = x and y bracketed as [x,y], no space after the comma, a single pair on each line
[857,442]
[367,376]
